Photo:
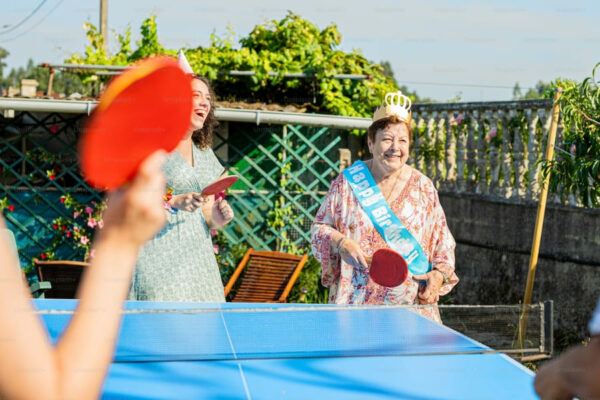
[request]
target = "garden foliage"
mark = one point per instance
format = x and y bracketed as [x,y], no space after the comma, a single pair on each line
[576,167]
[291,45]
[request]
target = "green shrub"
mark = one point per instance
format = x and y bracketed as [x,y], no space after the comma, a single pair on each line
[292,44]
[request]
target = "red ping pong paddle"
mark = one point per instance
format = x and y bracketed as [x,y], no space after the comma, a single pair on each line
[145,109]
[388,268]
[219,186]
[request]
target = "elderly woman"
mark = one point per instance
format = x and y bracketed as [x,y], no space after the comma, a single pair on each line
[179,263]
[344,236]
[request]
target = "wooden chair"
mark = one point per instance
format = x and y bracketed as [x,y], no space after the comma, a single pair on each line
[64,277]
[268,278]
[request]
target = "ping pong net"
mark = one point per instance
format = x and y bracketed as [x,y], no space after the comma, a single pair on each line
[497,326]
[158,332]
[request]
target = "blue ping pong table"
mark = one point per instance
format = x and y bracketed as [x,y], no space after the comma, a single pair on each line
[290,351]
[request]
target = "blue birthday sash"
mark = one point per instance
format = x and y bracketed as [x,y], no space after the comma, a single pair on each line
[389,226]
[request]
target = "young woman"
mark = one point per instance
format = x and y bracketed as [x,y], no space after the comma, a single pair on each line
[179,263]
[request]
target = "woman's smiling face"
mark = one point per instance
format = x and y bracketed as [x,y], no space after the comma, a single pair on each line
[390,147]
[201,104]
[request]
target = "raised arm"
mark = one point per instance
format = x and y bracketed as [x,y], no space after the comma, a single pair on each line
[30,366]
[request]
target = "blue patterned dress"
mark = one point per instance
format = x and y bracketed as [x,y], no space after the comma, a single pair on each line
[179,264]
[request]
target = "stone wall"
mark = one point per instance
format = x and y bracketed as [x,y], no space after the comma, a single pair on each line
[494,239]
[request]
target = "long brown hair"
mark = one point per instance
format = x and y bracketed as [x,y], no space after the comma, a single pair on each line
[203,137]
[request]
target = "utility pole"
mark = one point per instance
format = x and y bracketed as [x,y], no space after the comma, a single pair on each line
[104,22]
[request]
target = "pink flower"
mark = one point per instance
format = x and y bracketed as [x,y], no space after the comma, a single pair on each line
[89,210]
[491,134]
[75,229]
[213,232]
[573,149]
[457,120]
[75,214]
[100,223]
[84,240]
[92,253]
[92,223]
[216,249]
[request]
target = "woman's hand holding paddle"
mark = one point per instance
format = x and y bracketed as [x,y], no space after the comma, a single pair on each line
[351,253]
[222,213]
[189,202]
[134,213]
[216,209]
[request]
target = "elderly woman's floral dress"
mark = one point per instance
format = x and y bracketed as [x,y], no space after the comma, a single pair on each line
[179,263]
[418,208]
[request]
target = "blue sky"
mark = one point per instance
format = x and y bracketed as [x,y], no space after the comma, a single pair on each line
[438,48]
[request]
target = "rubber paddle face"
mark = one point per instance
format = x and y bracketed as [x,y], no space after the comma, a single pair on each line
[388,268]
[219,186]
[145,109]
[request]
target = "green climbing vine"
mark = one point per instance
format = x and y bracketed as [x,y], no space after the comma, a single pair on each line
[290,45]
[576,167]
